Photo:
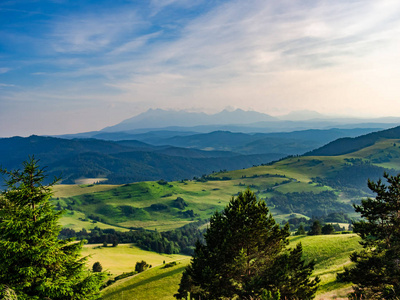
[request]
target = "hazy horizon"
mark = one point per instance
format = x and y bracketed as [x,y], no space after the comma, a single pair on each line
[68,67]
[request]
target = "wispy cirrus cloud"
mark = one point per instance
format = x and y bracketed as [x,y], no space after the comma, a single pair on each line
[6,85]
[4,70]
[92,33]
[135,44]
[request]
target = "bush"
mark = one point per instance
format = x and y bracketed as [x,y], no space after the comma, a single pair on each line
[169,265]
[97,267]
[141,266]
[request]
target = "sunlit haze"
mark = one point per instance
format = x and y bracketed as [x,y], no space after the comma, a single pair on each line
[75,66]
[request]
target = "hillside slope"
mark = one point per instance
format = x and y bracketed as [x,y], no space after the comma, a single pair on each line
[348,145]
[331,254]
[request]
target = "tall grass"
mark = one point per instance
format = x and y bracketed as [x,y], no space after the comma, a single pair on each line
[331,254]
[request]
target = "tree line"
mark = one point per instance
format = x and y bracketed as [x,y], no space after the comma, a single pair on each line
[181,240]
[307,203]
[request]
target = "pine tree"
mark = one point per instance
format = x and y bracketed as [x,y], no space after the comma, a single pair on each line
[376,272]
[33,262]
[315,228]
[245,257]
[300,230]
[327,229]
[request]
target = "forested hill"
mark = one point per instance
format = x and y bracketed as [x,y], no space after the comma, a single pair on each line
[348,145]
[121,162]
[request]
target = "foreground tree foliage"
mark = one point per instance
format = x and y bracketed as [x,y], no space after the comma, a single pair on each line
[376,273]
[34,264]
[245,257]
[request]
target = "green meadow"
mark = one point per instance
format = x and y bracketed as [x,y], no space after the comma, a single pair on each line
[120,259]
[330,252]
[155,283]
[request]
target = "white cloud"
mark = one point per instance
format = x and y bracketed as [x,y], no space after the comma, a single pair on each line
[93,32]
[4,70]
[158,5]
[135,44]
[7,85]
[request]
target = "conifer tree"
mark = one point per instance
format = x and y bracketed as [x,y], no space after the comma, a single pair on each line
[245,257]
[376,273]
[300,230]
[34,263]
[315,228]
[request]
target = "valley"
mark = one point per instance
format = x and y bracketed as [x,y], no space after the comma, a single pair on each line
[164,195]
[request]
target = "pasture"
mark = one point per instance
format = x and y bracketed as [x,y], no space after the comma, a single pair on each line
[330,252]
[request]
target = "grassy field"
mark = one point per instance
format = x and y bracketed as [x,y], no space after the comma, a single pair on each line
[90,180]
[156,283]
[331,254]
[123,258]
[69,190]
[77,220]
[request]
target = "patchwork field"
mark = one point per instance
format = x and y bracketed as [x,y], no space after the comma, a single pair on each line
[151,203]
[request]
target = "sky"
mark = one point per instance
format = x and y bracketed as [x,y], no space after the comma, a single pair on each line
[77,66]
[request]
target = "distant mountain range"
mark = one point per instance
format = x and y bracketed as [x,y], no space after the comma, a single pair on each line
[158,118]
[179,123]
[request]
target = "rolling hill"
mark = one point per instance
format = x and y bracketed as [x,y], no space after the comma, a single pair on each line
[302,185]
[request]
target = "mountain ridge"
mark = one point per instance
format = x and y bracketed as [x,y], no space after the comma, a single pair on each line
[159,118]
[348,145]
[240,120]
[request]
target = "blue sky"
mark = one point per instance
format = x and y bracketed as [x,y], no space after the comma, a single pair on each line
[74,66]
